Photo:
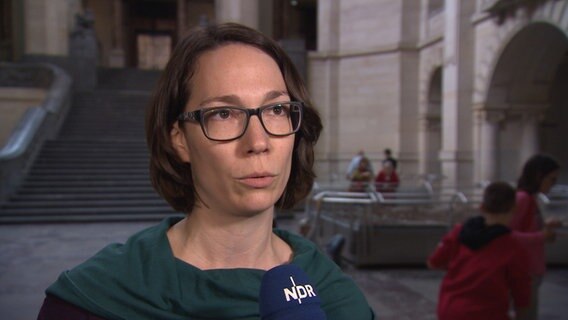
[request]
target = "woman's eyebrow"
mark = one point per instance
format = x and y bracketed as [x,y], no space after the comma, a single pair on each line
[235,100]
[229,99]
[271,95]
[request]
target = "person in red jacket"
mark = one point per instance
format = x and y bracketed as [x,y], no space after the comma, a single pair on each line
[387,180]
[539,174]
[486,265]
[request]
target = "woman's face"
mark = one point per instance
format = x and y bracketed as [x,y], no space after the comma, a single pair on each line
[246,176]
[548,181]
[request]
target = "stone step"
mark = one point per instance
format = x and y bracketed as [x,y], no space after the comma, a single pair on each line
[67,184]
[84,218]
[71,141]
[58,203]
[97,167]
[84,196]
[25,189]
[92,166]
[63,171]
[73,160]
[86,210]
[95,155]
[93,145]
[127,79]
[86,179]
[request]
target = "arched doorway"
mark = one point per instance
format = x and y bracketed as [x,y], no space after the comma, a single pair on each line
[554,128]
[526,88]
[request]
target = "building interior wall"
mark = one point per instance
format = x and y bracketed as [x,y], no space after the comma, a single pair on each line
[360,68]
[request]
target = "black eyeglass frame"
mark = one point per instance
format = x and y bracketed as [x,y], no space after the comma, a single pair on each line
[196,116]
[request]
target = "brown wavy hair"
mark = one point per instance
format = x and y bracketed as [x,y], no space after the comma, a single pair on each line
[171,177]
[535,170]
[498,198]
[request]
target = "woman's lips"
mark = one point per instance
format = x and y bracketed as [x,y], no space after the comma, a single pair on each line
[257,181]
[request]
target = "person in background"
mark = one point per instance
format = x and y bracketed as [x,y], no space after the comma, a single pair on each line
[389,158]
[538,175]
[231,132]
[387,180]
[361,177]
[354,164]
[486,265]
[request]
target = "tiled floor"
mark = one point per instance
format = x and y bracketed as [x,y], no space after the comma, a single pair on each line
[32,256]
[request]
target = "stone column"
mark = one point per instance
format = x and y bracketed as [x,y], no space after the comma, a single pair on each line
[529,138]
[46,27]
[181,18]
[323,81]
[455,155]
[241,11]
[488,122]
[117,55]
[423,144]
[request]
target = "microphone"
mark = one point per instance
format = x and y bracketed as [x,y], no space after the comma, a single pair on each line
[286,294]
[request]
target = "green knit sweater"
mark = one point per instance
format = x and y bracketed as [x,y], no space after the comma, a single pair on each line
[141,279]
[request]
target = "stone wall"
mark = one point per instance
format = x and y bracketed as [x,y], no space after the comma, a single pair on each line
[372,74]
[47,26]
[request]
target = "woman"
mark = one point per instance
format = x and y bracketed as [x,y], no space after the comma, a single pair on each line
[539,174]
[231,133]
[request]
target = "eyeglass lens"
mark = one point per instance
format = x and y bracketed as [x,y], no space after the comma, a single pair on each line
[229,123]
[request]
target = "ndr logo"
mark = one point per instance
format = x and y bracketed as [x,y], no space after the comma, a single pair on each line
[298,292]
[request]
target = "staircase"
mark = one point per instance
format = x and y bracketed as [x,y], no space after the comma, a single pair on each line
[97,168]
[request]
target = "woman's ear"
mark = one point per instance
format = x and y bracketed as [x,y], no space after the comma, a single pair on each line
[179,143]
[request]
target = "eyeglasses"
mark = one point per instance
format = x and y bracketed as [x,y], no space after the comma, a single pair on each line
[230,123]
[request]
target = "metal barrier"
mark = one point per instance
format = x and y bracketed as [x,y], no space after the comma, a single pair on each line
[350,218]
[385,228]
[404,227]
[555,205]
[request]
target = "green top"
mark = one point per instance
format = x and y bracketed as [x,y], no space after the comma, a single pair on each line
[141,279]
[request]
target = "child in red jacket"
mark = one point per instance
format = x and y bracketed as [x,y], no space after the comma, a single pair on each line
[486,265]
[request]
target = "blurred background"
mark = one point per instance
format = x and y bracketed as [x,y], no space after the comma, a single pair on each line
[461,92]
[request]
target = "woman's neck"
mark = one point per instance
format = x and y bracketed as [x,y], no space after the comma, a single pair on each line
[207,241]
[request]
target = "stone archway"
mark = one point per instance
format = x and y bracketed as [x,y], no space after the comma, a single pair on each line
[524,100]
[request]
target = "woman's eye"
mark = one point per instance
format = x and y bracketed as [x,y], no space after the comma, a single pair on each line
[224,114]
[221,114]
[279,110]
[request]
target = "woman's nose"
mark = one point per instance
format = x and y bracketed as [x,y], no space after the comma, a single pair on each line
[255,137]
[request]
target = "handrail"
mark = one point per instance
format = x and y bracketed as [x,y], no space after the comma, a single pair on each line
[27,128]
[37,125]
[23,134]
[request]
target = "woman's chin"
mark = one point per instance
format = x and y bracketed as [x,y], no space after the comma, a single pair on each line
[257,205]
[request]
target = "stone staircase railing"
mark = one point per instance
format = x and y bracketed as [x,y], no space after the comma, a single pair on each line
[37,125]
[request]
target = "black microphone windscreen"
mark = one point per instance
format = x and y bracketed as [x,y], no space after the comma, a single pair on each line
[286,293]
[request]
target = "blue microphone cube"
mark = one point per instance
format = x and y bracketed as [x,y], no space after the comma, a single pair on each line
[286,293]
